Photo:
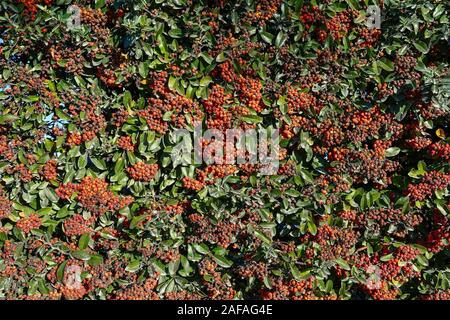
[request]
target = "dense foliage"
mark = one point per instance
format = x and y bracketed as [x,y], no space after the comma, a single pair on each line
[93,207]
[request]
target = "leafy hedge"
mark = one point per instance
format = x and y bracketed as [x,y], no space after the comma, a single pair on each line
[93,207]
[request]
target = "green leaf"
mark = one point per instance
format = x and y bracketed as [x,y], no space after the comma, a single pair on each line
[421,259]
[82,161]
[387,257]
[95,260]
[133,266]
[280,39]
[172,83]
[206,57]
[143,69]
[260,235]
[80,254]
[421,46]
[386,64]
[6,73]
[84,241]
[134,222]
[221,57]
[252,119]
[100,164]
[295,272]
[175,33]
[292,192]
[127,98]
[312,227]
[391,152]
[267,37]
[205,81]
[222,261]
[201,248]
[353,4]
[8,118]
[60,271]
[438,11]
[342,263]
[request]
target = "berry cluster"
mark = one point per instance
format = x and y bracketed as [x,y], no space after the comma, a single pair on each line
[31,6]
[293,289]
[142,171]
[216,289]
[26,224]
[50,170]
[440,150]
[93,194]
[264,10]
[218,116]
[432,181]
[221,233]
[77,225]
[208,176]
[125,143]
[5,206]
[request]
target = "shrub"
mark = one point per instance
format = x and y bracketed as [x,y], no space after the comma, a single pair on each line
[93,205]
